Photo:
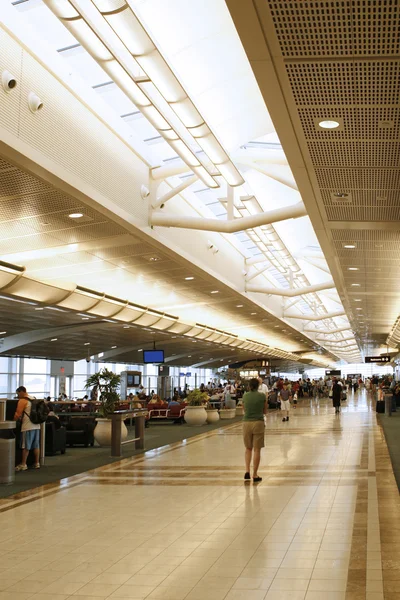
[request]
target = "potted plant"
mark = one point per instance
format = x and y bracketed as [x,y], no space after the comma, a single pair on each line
[195,413]
[107,384]
[212,413]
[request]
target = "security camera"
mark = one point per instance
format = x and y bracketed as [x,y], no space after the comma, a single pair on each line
[8,81]
[144,192]
[88,359]
[34,102]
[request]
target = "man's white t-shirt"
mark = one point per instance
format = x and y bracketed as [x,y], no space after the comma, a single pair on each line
[263,388]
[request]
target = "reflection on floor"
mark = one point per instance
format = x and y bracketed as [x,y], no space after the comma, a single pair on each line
[180,523]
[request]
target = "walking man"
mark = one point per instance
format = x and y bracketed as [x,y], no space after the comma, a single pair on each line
[285,402]
[30,433]
[255,407]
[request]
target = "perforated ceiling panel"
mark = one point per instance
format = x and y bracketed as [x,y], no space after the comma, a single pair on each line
[340,61]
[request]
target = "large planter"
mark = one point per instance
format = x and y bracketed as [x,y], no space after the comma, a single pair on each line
[195,415]
[102,432]
[239,411]
[212,415]
[227,413]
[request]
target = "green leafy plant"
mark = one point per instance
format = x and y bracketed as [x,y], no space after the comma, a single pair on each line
[197,398]
[107,384]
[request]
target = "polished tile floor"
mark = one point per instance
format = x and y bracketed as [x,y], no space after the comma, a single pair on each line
[179,522]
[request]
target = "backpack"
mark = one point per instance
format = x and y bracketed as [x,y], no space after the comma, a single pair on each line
[39,412]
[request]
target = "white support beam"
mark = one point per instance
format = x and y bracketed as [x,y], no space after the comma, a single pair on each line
[259,272]
[317,317]
[231,225]
[174,191]
[328,331]
[291,292]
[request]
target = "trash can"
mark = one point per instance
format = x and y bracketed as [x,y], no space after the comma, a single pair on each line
[388,404]
[7,452]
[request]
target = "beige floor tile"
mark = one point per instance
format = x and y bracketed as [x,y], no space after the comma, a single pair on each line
[326,596]
[60,587]
[132,592]
[298,585]
[252,583]
[285,595]
[245,595]
[328,585]
[99,589]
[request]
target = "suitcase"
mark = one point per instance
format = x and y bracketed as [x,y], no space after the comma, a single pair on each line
[380,406]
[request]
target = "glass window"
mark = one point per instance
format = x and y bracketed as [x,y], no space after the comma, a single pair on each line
[36,384]
[35,365]
[3,364]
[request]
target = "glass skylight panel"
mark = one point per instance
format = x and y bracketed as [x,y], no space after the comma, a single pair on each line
[84,65]
[47,26]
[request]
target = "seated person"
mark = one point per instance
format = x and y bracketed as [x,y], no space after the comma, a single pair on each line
[136,402]
[175,400]
[157,400]
[52,417]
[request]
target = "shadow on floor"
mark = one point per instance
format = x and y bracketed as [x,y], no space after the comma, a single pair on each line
[79,460]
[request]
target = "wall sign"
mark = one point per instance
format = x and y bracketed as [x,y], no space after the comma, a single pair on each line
[385,358]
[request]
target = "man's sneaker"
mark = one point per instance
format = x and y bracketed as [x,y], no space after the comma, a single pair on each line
[247,476]
[36,466]
[284,419]
[21,468]
[287,418]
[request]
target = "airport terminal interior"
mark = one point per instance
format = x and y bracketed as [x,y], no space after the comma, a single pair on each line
[199,198]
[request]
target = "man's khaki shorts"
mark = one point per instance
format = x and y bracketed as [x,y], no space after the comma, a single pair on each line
[253,434]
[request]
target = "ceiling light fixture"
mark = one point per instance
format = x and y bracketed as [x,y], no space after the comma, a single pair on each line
[349,246]
[3,332]
[75,215]
[189,278]
[355,284]
[140,350]
[329,124]
[214,292]
[86,344]
[113,347]
[239,305]
[54,340]
[121,45]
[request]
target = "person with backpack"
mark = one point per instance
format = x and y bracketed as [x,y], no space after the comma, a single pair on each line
[30,413]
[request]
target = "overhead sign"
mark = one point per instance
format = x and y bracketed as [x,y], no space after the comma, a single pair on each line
[385,358]
[182,374]
[188,374]
[334,373]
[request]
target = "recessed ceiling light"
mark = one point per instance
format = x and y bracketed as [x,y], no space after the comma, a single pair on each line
[85,318]
[340,195]
[54,340]
[140,350]
[378,245]
[86,344]
[276,326]
[39,308]
[189,356]
[75,215]
[189,278]
[113,347]
[215,292]
[353,269]
[348,246]
[355,284]
[328,124]
[3,332]
[239,305]
[357,300]
[125,327]
[154,258]
[358,308]
[253,313]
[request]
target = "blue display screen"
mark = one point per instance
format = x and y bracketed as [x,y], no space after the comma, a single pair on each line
[153,356]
